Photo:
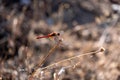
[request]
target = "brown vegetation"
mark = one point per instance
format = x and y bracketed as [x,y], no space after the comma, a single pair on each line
[86,27]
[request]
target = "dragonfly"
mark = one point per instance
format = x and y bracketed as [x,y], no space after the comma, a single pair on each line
[52,35]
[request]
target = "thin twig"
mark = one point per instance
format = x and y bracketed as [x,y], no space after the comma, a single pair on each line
[49,53]
[72,58]
[66,60]
[45,58]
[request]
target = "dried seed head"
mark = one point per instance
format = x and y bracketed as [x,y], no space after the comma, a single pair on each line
[102,49]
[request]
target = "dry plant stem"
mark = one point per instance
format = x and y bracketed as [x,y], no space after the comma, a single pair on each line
[45,58]
[63,61]
[72,58]
[49,53]
[107,31]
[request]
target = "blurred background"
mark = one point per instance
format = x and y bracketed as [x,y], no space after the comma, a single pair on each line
[86,25]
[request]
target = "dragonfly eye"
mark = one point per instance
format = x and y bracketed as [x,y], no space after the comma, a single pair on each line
[58,34]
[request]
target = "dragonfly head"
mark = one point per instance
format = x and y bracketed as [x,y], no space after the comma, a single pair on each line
[58,34]
[55,34]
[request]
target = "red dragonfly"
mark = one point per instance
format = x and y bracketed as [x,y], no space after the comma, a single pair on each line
[51,35]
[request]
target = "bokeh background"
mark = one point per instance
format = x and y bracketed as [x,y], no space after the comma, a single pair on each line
[86,25]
